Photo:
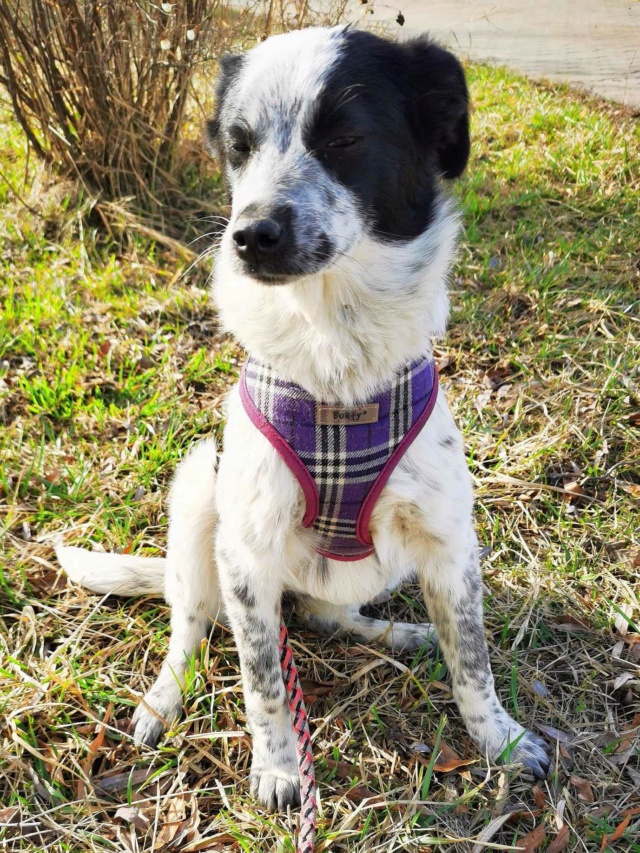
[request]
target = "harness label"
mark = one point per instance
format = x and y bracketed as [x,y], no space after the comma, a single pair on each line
[346,415]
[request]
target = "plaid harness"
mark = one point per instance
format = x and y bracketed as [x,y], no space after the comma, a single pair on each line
[342,456]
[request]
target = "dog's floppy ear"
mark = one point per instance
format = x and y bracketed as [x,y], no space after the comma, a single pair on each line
[228,69]
[439,105]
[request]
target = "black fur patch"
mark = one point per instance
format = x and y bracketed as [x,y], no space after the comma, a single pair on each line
[392,119]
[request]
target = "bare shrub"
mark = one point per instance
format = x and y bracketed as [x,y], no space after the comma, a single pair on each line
[101,87]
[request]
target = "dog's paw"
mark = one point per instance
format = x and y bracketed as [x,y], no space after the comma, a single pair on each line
[532,752]
[151,719]
[507,742]
[408,637]
[276,788]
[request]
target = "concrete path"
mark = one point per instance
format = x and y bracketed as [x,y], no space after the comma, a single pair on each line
[593,44]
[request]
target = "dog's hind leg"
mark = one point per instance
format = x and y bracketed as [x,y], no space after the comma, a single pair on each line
[341,620]
[191,587]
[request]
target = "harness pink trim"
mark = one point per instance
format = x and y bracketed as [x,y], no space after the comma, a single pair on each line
[364,516]
[307,483]
[285,451]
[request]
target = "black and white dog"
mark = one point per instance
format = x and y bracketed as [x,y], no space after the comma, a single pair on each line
[332,273]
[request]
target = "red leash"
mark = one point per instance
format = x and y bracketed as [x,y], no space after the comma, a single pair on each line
[307,830]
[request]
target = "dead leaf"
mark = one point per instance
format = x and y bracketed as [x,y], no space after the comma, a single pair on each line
[104,348]
[525,814]
[359,793]
[489,831]
[503,391]
[539,688]
[221,844]
[314,690]
[539,797]
[342,770]
[635,776]
[573,489]
[443,362]
[617,834]
[92,750]
[446,753]
[634,419]
[501,795]
[26,826]
[482,399]
[570,624]
[632,489]
[132,814]
[120,781]
[144,363]
[450,766]
[560,841]
[621,680]
[9,816]
[622,624]
[447,759]
[533,840]
[440,685]
[628,738]
[422,748]
[139,493]
[356,651]
[179,827]
[585,792]
[555,734]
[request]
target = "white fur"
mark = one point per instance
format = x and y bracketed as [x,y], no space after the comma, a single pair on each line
[340,334]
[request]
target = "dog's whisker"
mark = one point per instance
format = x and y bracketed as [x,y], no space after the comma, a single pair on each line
[203,237]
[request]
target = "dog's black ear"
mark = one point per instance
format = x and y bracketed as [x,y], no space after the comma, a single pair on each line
[439,105]
[228,70]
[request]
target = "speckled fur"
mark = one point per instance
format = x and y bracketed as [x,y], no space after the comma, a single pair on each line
[340,333]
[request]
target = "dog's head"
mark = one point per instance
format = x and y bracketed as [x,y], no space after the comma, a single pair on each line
[328,136]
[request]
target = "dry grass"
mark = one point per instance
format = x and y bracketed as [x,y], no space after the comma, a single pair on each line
[112,364]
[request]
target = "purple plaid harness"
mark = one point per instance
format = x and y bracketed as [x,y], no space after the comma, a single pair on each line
[342,456]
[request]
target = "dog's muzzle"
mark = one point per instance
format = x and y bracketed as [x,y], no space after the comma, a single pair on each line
[276,245]
[263,241]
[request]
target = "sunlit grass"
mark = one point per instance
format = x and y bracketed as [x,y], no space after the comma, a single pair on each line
[112,364]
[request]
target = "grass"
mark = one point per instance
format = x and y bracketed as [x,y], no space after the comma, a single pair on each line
[111,365]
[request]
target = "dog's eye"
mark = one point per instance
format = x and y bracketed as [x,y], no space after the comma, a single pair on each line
[239,152]
[343,142]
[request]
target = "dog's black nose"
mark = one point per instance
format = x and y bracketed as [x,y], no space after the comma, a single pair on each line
[258,239]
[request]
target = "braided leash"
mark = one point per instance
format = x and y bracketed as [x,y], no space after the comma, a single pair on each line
[307,830]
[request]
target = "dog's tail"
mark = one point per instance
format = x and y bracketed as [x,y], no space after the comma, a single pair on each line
[120,574]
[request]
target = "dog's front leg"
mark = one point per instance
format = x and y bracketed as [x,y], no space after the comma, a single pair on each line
[452,585]
[252,600]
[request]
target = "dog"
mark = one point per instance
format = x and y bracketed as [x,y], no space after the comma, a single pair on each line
[337,146]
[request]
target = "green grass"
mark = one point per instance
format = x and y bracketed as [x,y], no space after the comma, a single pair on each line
[111,365]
